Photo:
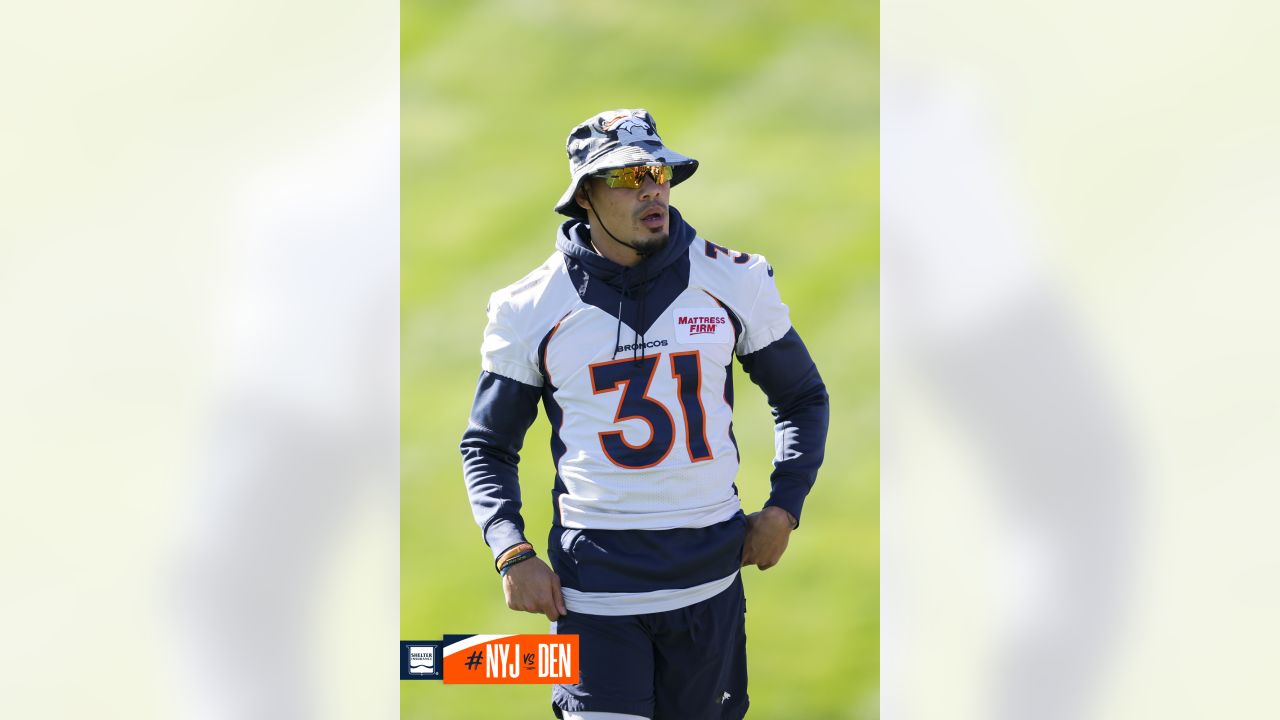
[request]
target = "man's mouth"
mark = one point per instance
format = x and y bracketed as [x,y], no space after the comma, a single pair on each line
[653,218]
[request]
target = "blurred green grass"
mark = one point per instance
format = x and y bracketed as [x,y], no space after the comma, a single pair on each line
[780,103]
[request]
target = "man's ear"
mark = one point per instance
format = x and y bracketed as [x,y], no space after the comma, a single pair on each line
[580,195]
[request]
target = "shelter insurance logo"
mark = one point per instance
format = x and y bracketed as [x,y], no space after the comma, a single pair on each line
[492,659]
[420,660]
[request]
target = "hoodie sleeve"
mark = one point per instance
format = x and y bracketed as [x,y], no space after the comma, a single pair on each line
[500,416]
[505,406]
[776,360]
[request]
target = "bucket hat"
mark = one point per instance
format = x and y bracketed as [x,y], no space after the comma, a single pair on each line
[617,139]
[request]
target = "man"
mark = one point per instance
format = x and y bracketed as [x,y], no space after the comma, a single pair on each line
[627,336]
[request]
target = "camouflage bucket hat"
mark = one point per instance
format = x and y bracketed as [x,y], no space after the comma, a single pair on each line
[616,139]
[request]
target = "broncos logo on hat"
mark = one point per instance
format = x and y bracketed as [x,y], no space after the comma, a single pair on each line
[629,128]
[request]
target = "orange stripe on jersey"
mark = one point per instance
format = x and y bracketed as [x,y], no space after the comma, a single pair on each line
[546,345]
[733,319]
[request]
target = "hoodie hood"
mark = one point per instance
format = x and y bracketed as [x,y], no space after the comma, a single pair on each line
[634,295]
[574,240]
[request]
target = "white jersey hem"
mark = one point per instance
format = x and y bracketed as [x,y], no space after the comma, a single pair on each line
[641,603]
[576,515]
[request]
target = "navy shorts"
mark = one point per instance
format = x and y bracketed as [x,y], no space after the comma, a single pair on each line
[684,664]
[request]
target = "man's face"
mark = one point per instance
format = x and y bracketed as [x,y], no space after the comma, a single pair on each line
[636,215]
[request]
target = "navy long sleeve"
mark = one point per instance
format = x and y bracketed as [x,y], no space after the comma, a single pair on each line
[801,412]
[500,416]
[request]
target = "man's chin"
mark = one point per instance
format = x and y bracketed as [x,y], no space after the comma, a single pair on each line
[652,243]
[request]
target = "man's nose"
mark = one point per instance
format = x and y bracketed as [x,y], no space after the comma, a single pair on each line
[649,189]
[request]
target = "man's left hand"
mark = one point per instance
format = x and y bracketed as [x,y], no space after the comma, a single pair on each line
[767,534]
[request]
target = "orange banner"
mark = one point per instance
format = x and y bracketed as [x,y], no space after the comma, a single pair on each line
[512,659]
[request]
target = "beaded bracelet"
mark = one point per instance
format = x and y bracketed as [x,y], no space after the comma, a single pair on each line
[515,560]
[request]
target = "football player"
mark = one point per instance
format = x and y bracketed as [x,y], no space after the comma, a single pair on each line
[627,336]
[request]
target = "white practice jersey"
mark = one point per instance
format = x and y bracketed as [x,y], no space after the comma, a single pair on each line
[641,416]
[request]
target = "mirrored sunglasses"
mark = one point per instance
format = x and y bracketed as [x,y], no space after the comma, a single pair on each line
[633,177]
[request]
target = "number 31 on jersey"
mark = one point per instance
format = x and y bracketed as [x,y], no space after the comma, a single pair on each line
[634,376]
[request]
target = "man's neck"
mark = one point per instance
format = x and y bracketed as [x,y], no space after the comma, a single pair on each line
[611,249]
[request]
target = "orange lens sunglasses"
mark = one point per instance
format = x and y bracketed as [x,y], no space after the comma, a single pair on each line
[633,177]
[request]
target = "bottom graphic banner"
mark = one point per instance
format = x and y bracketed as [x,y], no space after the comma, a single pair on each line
[492,659]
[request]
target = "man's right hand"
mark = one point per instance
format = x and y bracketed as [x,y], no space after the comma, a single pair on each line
[531,586]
